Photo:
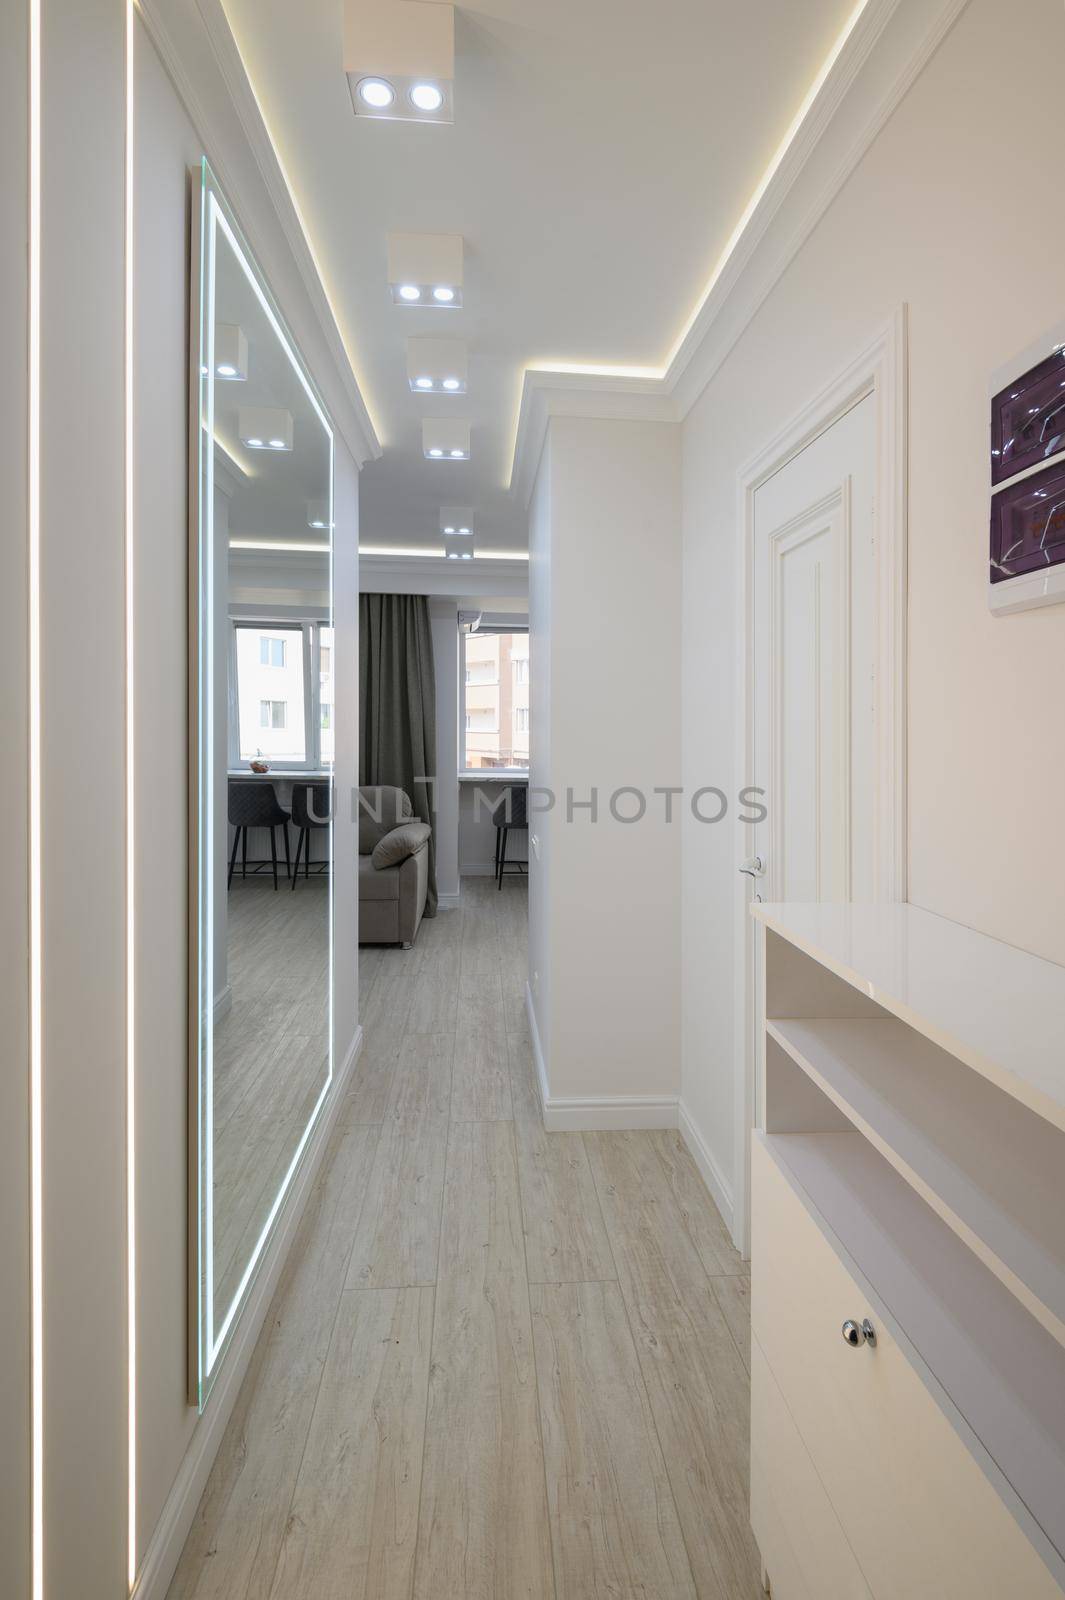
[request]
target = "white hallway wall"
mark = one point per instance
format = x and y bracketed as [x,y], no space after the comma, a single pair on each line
[943,213]
[82,609]
[166,146]
[605,649]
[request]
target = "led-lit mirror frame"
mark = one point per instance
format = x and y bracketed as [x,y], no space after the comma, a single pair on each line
[210,1329]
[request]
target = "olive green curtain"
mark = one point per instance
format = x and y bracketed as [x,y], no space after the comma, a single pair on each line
[397,704]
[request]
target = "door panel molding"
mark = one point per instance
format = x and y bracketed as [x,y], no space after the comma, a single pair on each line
[880,369]
[829,516]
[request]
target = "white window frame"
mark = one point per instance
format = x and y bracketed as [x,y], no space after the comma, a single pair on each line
[310,623]
[498,625]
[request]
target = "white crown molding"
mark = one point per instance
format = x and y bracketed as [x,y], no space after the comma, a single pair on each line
[888,48]
[578,394]
[196,47]
[906,42]
[397,574]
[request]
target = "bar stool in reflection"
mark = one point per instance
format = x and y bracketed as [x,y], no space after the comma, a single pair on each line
[311,808]
[510,815]
[253,804]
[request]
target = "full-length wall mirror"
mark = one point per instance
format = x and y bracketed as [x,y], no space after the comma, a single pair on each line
[261,761]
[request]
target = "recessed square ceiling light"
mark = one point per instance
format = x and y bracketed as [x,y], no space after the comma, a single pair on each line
[230,352]
[399,58]
[261,428]
[437,366]
[425,269]
[445,440]
[458,549]
[456,521]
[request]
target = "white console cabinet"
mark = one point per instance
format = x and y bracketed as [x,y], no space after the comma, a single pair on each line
[908,1261]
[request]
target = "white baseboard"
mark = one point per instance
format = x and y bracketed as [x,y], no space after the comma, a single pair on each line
[537,1050]
[609,1113]
[168,1539]
[720,1191]
[448,902]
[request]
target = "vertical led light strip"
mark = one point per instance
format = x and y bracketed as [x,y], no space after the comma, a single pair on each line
[34,597]
[131,1038]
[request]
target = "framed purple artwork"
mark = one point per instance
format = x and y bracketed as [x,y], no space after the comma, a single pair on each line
[1028,525]
[1027,471]
[1028,419]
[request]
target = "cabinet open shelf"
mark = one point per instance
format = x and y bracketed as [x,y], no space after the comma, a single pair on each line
[994,1370]
[987,1165]
[997,1009]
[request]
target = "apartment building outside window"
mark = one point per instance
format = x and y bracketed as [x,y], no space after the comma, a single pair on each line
[495,679]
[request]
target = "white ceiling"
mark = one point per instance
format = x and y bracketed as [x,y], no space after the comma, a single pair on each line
[602,153]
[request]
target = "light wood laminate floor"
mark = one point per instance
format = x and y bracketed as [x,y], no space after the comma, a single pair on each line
[271,1057]
[501,1363]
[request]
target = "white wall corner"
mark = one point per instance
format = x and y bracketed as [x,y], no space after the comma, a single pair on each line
[715,1180]
[597,397]
[537,1049]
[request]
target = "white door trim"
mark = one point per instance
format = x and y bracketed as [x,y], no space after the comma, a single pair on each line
[879,370]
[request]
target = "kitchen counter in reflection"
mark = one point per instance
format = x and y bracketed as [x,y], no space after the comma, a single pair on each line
[285,776]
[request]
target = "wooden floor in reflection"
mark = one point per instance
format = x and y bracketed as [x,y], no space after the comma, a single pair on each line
[271,1057]
[501,1363]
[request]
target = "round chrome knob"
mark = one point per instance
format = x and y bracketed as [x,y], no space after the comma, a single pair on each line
[858,1333]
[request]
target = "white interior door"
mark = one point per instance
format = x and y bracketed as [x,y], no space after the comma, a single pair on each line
[814,640]
[812,744]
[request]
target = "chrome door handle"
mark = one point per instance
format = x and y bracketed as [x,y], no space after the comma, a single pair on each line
[753,867]
[858,1333]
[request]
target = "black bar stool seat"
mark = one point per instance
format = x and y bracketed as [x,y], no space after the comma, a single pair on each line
[311,808]
[510,815]
[254,804]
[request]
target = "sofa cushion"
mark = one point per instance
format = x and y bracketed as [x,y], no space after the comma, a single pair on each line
[382,807]
[400,843]
[374,885]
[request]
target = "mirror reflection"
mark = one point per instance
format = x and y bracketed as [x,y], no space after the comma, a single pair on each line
[264,755]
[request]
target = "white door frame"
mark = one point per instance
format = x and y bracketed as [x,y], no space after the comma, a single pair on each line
[879,370]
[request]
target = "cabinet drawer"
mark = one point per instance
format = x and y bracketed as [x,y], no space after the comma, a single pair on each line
[804,1549]
[922,1520]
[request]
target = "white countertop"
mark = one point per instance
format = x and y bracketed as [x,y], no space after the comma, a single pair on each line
[997,1008]
[276,773]
[494,777]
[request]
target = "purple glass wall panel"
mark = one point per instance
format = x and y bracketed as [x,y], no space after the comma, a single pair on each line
[1028,419]
[1028,525]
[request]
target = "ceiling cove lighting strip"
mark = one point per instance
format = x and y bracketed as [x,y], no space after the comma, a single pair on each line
[662,374]
[34,629]
[766,179]
[131,1013]
[311,250]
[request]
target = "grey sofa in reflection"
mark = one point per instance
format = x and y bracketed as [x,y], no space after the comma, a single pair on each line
[393,867]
